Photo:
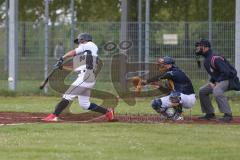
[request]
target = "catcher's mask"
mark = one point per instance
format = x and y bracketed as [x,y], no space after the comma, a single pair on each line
[199,46]
[163,63]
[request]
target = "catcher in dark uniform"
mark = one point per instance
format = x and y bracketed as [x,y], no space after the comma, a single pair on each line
[181,95]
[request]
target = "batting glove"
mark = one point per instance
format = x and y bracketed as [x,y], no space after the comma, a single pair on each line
[59,63]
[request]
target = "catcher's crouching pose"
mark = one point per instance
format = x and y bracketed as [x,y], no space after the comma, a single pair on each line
[86,61]
[182,94]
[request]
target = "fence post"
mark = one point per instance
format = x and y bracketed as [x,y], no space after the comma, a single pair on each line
[7,40]
[237,37]
[123,37]
[147,30]
[13,44]
[140,31]
[210,20]
[72,23]
[46,43]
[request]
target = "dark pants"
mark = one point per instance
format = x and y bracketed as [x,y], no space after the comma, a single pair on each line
[218,93]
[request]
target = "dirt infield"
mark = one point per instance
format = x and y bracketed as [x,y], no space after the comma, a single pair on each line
[17,118]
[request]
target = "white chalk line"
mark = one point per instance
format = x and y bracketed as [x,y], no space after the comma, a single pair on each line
[16,124]
[61,120]
[86,121]
[21,118]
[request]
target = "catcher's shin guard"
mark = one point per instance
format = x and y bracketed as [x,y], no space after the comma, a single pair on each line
[178,109]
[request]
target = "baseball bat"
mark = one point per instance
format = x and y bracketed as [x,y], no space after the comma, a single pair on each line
[43,84]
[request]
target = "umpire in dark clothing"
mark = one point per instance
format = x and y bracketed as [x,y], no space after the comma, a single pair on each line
[222,75]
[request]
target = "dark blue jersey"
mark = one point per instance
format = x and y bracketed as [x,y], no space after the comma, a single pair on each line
[218,67]
[180,80]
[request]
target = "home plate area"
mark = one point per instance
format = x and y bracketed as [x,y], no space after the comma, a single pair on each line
[19,118]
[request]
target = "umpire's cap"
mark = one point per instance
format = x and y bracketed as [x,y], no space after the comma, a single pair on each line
[83,36]
[203,42]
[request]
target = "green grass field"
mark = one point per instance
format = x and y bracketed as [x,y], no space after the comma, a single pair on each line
[118,141]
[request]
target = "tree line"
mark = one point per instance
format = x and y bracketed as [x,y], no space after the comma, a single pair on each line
[110,10]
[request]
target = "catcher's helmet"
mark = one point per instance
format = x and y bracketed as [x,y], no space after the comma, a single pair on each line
[83,36]
[166,60]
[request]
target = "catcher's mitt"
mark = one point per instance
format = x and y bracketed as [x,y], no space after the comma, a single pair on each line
[137,83]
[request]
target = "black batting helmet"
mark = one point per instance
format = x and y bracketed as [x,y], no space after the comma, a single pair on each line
[83,36]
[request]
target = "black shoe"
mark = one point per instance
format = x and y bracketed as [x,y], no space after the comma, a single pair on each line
[208,116]
[226,117]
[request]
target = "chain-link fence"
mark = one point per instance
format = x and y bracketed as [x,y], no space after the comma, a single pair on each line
[175,39]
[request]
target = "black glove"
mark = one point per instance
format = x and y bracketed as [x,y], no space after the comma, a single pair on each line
[59,63]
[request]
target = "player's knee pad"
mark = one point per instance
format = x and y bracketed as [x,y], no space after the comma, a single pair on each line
[156,105]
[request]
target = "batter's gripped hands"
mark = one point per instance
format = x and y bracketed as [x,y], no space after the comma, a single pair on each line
[59,63]
[212,85]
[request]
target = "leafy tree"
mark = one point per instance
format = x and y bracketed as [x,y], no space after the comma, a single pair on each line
[109,10]
[100,10]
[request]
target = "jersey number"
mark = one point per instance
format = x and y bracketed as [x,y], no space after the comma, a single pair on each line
[89,59]
[82,58]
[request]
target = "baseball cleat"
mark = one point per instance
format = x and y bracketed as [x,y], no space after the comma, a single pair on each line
[208,116]
[226,118]
[50,118]
[177,117]
[110,115]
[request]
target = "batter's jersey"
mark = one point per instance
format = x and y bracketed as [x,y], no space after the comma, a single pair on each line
[86,57]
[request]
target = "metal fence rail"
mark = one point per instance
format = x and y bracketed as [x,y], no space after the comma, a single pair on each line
[31,45]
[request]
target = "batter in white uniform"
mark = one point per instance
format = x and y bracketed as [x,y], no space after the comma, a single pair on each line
[85,62]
